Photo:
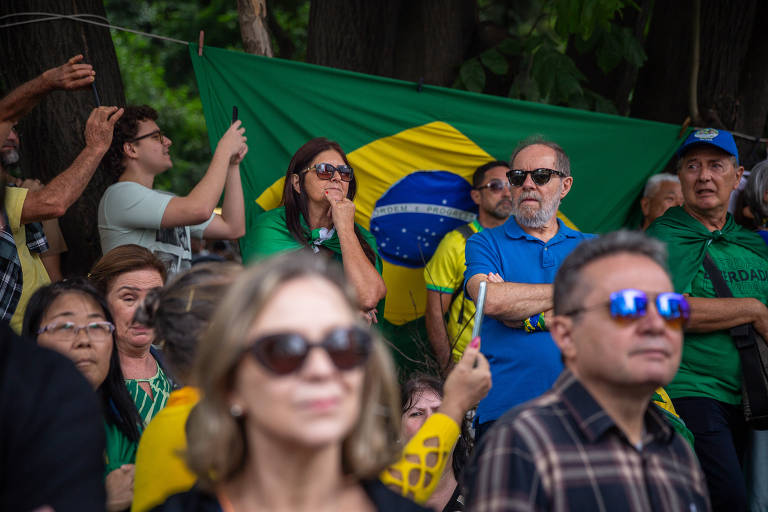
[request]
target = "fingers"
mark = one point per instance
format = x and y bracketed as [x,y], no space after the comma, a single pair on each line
[74,60]
[114,115]
[470,354]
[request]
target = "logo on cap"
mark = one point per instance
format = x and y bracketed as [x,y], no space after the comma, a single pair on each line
[706,134]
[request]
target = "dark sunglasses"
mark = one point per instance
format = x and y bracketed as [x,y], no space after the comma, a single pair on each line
[157,135]
[494,186]
[325,171]
[630,304]
[285,353]
[540,177]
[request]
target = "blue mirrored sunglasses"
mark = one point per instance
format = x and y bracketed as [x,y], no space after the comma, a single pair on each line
[630,304]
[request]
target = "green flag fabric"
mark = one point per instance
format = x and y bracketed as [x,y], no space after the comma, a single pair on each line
[414,149]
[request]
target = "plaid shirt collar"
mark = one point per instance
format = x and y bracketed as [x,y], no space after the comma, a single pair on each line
[592,419]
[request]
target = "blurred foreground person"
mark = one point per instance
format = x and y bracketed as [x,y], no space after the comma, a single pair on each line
[72,318]
[125,275]
[593,442]
[299,407]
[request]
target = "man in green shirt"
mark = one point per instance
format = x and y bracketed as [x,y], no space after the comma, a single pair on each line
[706,391]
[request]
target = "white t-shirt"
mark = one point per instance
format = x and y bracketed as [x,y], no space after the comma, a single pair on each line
[130,213]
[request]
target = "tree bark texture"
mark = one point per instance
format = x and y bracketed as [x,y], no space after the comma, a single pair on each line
[426,40]
[52,134]
[252,15]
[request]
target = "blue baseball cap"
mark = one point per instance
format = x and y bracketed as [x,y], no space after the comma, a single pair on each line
[711,137]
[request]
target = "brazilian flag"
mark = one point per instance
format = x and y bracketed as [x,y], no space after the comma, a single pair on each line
[414,149]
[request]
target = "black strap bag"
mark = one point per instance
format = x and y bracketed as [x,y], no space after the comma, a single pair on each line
[753,353]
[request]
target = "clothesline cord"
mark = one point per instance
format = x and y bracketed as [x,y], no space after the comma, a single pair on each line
[82,18]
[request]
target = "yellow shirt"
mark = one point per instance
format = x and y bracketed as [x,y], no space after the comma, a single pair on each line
[160,467]
[444,273]
[33,272]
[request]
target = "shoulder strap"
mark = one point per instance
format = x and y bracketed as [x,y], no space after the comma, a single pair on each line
[718,283]
[465,230]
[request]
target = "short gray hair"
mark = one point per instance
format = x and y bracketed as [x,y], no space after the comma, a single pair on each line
[569,288]
[655,181]
[562,162]
[754,191]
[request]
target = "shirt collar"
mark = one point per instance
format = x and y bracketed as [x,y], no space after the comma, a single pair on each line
[594,422]
[513,230]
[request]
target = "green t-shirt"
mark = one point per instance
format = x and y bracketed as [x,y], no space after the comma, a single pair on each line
[119,449]
[710,366]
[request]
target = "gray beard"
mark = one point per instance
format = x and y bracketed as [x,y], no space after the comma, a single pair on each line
[9,157]
[539,218]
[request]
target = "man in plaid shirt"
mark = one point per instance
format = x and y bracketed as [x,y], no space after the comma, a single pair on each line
[21,241]
[593,442]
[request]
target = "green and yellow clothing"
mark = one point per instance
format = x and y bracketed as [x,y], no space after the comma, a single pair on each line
[119,449]
[160,467]
[444,273]
[710,365]
[149,406]
[436,438]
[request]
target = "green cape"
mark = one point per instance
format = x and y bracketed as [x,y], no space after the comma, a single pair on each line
[687,242]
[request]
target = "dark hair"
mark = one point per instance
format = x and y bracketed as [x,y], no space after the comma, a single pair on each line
[296,202]
[126,129]
[479,175]
[569,288]
[180,311]
[122,259]
[420,382]
[562,162]
[116,403]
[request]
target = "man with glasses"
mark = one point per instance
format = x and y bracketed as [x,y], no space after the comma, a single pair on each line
[132,212]
[444,274]
[594,441]
[707,390]
[519,260]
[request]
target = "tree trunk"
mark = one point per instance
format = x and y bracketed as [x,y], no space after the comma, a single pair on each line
[52,134]
[253,26]
[425,40]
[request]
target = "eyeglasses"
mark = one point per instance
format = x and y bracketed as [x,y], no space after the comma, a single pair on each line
[157,135]
[68,331]
[494,186]
[540,177]
[325,171]
[285,353]
[631,304]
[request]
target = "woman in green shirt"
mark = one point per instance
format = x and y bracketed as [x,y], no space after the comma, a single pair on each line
[72,318]
[318,212]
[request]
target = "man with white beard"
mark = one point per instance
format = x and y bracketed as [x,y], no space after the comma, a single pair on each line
[519,260]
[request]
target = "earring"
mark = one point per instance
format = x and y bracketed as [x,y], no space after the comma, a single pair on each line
[236,410]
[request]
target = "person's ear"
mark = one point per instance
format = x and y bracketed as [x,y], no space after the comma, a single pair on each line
[645,205]
[475,195]
[739,174]
[561,330]
[567,184]
[295,181]
[129,150]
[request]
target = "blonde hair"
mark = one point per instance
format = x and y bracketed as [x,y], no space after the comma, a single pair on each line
[217,448]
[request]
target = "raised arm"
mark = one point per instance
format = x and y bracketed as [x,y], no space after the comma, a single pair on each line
[69,76]
[512,302]
[52,200]
[231,223]
[197,206]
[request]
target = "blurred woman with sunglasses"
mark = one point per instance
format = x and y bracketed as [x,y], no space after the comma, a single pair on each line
[318,212]
[72,318]
[299,407]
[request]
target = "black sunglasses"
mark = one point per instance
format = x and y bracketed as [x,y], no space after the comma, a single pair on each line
[494,186]
[540,177]
[158,135]
[325,171]
[285,353]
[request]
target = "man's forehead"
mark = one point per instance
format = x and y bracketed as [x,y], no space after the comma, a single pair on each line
[495,173]
[536,154]
[705,152]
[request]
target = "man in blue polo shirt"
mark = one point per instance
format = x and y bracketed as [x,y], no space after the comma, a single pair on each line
[519,259]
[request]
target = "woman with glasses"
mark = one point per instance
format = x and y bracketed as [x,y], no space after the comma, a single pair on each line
[72,318]
[299,407]
[124,276]
[317,212]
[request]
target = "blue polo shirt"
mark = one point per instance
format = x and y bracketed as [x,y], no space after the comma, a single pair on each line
[523,365]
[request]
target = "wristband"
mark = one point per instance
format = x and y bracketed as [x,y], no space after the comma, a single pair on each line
[534,323]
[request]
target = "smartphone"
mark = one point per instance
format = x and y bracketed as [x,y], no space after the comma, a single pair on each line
[480,305]
[234,114]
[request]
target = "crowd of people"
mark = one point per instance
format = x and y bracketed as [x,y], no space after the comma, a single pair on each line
[604,376]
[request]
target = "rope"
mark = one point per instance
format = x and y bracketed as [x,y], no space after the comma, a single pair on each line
[82,18]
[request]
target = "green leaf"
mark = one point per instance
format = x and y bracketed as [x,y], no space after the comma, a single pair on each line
[510,46]
[495,62]
[473,75]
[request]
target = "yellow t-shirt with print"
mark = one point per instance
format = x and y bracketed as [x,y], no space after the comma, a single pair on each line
[444,273]
[32,269]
